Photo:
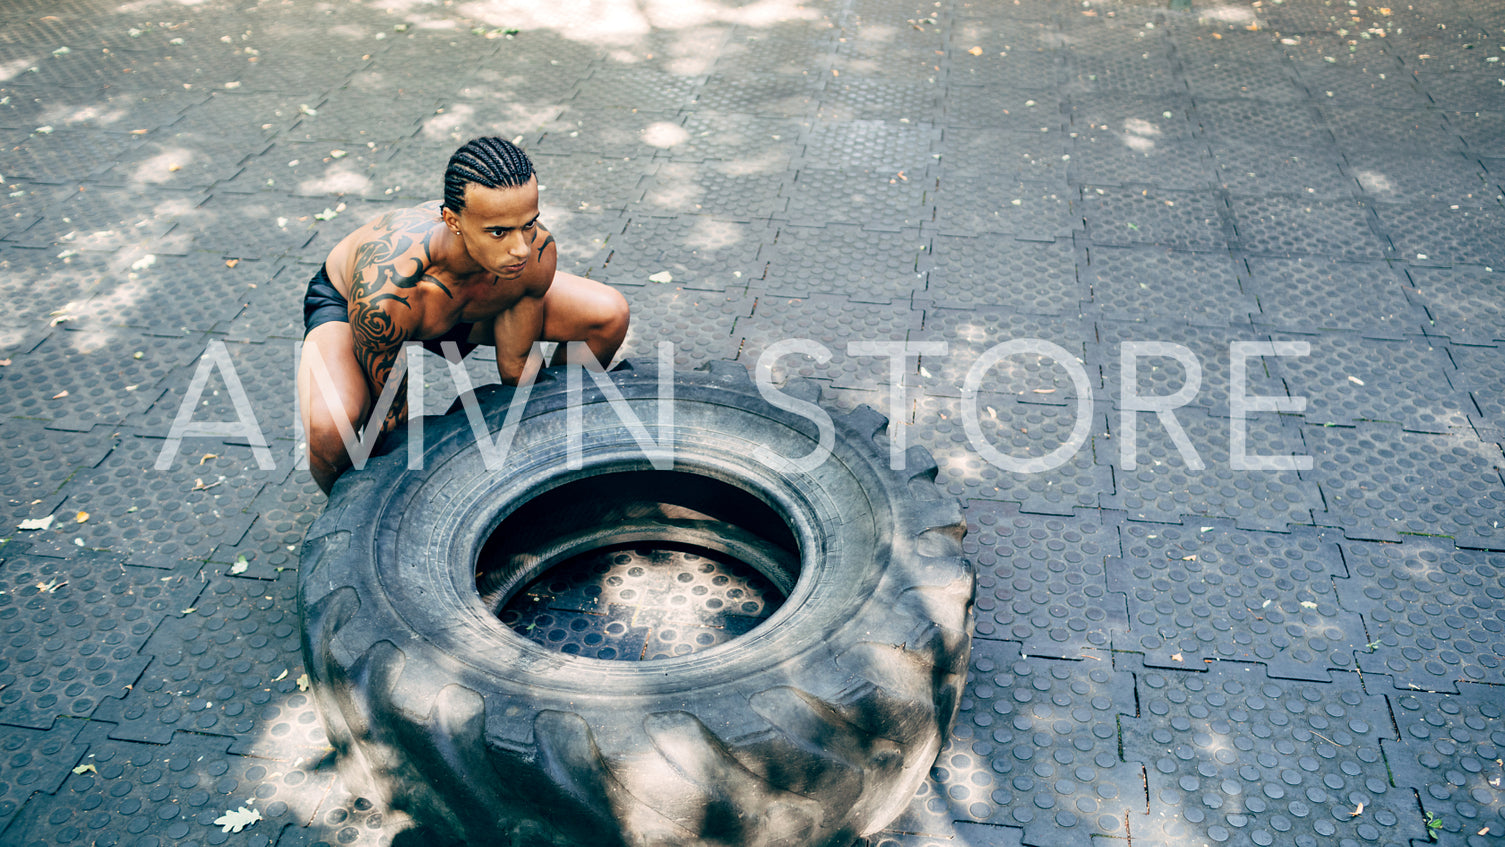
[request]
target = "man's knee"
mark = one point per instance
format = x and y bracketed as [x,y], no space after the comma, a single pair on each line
[612,314]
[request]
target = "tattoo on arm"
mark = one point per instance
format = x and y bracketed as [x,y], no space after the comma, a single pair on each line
[545,245]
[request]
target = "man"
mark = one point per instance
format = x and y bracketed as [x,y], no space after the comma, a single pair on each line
[478,268]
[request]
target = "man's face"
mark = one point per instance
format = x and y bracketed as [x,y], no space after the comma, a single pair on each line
[498,227]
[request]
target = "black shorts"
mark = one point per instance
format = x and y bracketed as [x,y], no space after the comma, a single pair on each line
[322,303]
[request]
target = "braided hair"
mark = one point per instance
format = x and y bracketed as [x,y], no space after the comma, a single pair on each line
[489,162]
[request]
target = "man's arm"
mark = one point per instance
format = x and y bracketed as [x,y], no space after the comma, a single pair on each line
[515,330]
[382,314]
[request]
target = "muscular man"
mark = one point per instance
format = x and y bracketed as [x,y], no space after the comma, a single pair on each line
[477,269]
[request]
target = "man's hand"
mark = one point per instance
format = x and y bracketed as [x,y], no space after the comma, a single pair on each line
[515,331]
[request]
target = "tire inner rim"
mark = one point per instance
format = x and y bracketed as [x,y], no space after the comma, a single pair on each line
[640,564]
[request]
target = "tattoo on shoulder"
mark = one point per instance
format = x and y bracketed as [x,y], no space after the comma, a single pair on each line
[398,256]
[548,239]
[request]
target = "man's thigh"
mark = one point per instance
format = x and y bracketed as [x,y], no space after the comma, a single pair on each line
[330,381]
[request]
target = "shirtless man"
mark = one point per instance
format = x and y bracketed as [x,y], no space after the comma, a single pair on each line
[477,269]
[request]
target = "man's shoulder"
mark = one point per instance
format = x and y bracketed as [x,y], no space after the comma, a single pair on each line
[407,220]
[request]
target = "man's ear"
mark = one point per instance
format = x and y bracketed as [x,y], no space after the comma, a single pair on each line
[450,219]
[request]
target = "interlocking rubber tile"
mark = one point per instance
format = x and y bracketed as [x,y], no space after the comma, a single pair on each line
[1347,378]
[731,190]
[264,225]
[273,308]
[1449,752]
[247,115]
[271,543]
[1369,128]
[770,95]
[1295,226]
[699,323]
[149,295]
[986,106]
[1184,220]
[1214,78]
[167,795]
[1472,91]
[94,218]
[1019,432]
[229,667]
[74,628]
[75,380]
[876,199]
[603,132]
[34,465]
[1263,761]
[743,139]
[1161,375]
[1032,377]
[583,238]
[614,184]
[70,280]
[749,51]
[1258,122]
[1037,211]
[1313,293]
[1431,611]
[345,819]
[1438,178]
[1429,234]
[1143,120]
[1041,579]
[1013,155]
[844,260]
[1479,130]
[1033,277]
[1130,72]
[700,252]
[980,835]
[1379,481]
[345,120]
[477,110]
[1036,746]
[1162,486]
[1204,45]
[832,322]
[315,169]
[156,517]
[34,763]
[849,98]
[1030,68]
[1481,374]
[1256,168]
[266,374]
[1152,283]
[1135,157]
[875,144]
[1350,85]
[1204,592]
[653,90]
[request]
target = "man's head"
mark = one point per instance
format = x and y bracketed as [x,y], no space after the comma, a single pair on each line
[489,162]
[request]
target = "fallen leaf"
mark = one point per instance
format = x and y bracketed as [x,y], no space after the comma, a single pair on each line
[337,154]
[1484,831]
[1355,380]
[1307,604]
[237,819]
[80,517]
[49,587]
[280,677]
[36,523]
[4,363]
[144,262]
[1044,390]
[230,263]
[240,565]
[1191,558]
[976,51]
[190,610]
[662,277]
[83,769]
[207,456]
[1357,811]
[303,682]
[1176,657]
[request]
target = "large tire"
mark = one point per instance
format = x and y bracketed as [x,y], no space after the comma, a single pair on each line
[815,728]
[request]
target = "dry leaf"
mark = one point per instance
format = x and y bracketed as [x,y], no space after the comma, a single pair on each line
[50,586]
[83,769]
[662,277]
[1307,604]
[1176,657]
[1355,380]
[976,51]
[230,263]
[303,682]
[280,677]
[4,363]
[35,523]
[240,565]
[80,517]
[238,819]
[207,456]
[1356,812]
[60,395]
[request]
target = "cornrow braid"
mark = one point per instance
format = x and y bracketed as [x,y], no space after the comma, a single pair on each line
[489,162]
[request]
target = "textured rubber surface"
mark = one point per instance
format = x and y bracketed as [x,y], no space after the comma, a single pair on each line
[814,728]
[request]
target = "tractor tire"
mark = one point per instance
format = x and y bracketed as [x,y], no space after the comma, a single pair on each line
[815,728]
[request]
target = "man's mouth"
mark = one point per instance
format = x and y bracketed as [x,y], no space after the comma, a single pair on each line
[512,269]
